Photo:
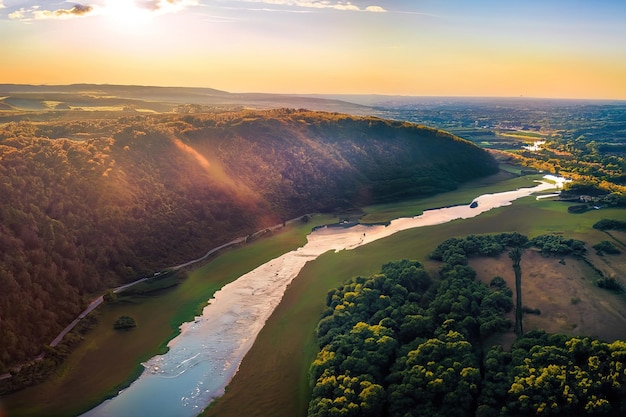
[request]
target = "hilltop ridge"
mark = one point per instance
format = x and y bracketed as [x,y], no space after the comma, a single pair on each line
[94,203]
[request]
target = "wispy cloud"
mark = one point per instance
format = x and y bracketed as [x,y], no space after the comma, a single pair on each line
[2,6]
[165,6]
[322,4]
[36,13]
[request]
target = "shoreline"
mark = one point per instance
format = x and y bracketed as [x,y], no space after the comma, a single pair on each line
[321,240]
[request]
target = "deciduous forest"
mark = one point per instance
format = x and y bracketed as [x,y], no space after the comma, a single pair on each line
[91,203]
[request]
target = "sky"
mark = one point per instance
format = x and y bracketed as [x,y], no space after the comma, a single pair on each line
[493,48]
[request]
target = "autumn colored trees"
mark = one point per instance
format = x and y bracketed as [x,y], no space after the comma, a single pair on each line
[91,203]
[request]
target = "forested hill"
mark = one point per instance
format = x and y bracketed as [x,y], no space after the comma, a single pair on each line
[90,203]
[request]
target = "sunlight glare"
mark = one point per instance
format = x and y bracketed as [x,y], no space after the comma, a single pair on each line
[126,14]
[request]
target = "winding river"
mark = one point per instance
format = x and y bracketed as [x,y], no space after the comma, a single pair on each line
[206,355]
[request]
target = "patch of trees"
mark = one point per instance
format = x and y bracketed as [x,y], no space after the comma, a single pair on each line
[455,251]
[593,194]
[609,283]
[606,246]
[610,224]
[401,344]
[558,245]
[89,204]
[556,375]
[396,343]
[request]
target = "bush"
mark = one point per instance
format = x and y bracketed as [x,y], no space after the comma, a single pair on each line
[529,310]
[610,224]
[124,323]
[609,284]
[606,247]
[497,282]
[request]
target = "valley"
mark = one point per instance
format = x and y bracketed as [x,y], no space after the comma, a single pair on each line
[97,198]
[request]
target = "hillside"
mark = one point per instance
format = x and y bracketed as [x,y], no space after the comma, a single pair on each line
[92,203]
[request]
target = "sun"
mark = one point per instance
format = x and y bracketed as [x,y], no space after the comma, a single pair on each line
[126,14]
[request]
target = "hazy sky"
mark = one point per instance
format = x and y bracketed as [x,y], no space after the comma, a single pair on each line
[535,48]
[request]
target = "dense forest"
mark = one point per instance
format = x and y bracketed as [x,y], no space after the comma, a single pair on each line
[401,343]
[90,203]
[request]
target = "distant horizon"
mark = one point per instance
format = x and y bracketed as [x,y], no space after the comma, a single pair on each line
[569,49]
[319,95]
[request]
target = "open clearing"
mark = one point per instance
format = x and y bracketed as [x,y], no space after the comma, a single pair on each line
[564,293]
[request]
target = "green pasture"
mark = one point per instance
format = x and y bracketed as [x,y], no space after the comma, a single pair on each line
[521,134]
[107,360]
[503,181]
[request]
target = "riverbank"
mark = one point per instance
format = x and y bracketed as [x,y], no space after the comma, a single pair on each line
[158,308]
[273,377]
[107,361]
[206,355]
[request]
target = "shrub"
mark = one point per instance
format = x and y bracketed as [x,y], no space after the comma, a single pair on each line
[609,284]
[529,310]
[606,247]
[124,323]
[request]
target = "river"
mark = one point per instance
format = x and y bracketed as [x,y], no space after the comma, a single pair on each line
[206,354]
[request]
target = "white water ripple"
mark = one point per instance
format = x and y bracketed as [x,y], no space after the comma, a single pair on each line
[202,360]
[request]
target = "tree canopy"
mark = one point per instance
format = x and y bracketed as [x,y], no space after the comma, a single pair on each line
[400,343]
[91,203]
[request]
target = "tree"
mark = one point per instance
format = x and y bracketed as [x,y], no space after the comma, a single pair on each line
[109,296]
[124,323]
[516,256]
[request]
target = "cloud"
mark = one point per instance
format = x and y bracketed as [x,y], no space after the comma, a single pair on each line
[165,6]
[102,7]
[35,13]
[2,6]
[322,4]
[375,9]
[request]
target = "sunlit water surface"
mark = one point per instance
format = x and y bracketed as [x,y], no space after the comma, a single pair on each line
[207,353]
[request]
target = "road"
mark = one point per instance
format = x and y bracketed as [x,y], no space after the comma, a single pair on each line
[99,300]
[96,302]
[91,307]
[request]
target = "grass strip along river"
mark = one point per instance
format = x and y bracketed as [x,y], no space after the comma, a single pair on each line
[206,354]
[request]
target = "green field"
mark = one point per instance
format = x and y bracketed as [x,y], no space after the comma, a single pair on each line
[504,181]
